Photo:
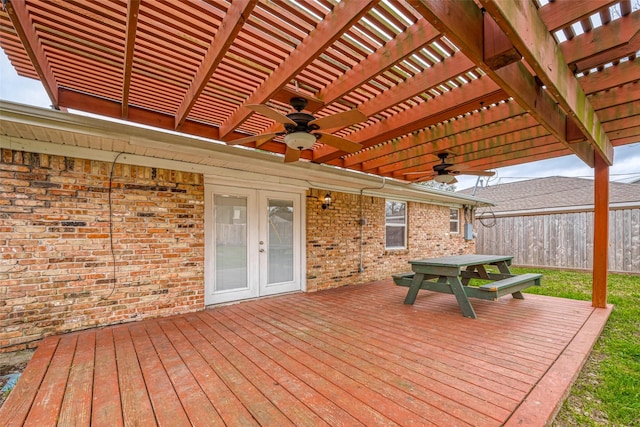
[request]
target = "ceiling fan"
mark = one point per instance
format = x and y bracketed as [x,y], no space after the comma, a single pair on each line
[445,172]
[298,128]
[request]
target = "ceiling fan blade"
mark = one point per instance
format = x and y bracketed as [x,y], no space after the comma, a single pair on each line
[477,173]
[271,113]
[418,173]
[339,143]
[258,139]
[424,178]
[339,120]
[291,155]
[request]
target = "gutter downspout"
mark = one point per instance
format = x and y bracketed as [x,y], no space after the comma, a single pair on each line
[362,221]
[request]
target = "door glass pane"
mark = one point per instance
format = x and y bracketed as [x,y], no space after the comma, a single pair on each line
[280,241]
[231,242]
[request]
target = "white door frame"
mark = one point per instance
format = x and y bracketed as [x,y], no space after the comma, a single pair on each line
[215,184]
[265,288]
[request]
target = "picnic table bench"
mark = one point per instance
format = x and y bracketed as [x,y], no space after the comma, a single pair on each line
[447,275]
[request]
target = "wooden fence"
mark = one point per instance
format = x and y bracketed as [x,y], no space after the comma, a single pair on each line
[562,240]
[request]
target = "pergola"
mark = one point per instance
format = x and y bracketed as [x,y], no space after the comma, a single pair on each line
[498,82]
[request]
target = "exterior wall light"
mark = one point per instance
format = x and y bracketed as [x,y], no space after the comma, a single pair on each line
[326,201]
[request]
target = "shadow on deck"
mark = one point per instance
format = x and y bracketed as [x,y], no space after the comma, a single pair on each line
[349,356]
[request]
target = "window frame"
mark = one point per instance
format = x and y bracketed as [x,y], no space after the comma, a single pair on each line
[388,224]
[457,221]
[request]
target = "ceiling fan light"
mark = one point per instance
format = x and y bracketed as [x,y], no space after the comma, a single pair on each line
[300,140]
[444,179]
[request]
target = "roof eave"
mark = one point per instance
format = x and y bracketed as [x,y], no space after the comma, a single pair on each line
[222,157]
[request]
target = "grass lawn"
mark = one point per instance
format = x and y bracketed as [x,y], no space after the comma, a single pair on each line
[607,392]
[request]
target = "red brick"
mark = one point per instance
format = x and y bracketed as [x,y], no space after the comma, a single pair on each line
[68,269]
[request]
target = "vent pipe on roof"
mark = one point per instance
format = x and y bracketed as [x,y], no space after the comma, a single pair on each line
[478,181]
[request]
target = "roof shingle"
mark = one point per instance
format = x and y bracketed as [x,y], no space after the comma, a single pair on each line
[551,192]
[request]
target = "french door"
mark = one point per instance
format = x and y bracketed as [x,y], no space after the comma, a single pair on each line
[253,243]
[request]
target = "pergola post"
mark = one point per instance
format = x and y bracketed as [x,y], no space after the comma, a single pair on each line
[600,233]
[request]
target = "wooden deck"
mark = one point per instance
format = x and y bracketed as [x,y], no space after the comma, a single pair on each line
[344,357]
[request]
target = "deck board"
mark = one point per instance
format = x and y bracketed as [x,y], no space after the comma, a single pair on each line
[17,407]
[136,402]
[258,405]
[106,407]
[227,405]
[344,357]
[167,407]
[196,404]
[48,400]
[76,404]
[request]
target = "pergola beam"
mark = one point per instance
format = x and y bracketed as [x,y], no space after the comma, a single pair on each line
[623,97]
[475,122]
[462,22]
[459,101]
[230,26]
[512,159]
[546,148]
[19,16]
[331,28]
[109,108]
[604,44]
[405,44]
[540,50]
[460,144]
[611,77]
[472,151]
[432,77]
[133,6]
[560,14]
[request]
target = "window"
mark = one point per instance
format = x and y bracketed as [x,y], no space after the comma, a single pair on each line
[396,224]
[454,220]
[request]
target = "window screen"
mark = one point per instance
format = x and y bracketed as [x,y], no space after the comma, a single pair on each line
[396,224]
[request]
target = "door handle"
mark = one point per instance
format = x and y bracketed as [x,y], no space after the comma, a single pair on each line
[261,250]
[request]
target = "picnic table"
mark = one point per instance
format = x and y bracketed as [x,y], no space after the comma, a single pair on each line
[447,275]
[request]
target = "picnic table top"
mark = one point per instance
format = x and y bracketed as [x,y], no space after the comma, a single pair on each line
[462,260]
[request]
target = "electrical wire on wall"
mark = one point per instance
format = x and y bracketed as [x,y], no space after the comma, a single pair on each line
[492,217]
[467,212]
[113,255]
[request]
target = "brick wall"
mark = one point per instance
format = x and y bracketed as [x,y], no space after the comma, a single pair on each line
[56,269]
[333,239]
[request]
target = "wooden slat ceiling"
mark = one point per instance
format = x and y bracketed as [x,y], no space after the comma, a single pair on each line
[496,81]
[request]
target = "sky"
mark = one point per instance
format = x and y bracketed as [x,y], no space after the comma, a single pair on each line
[626,165]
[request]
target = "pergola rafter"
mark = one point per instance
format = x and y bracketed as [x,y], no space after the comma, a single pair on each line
[129,45]
[557,15]
[328,31]
[477,93]
[25,30]
[604,44]
[232,23]
[517,129]
[474,121]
